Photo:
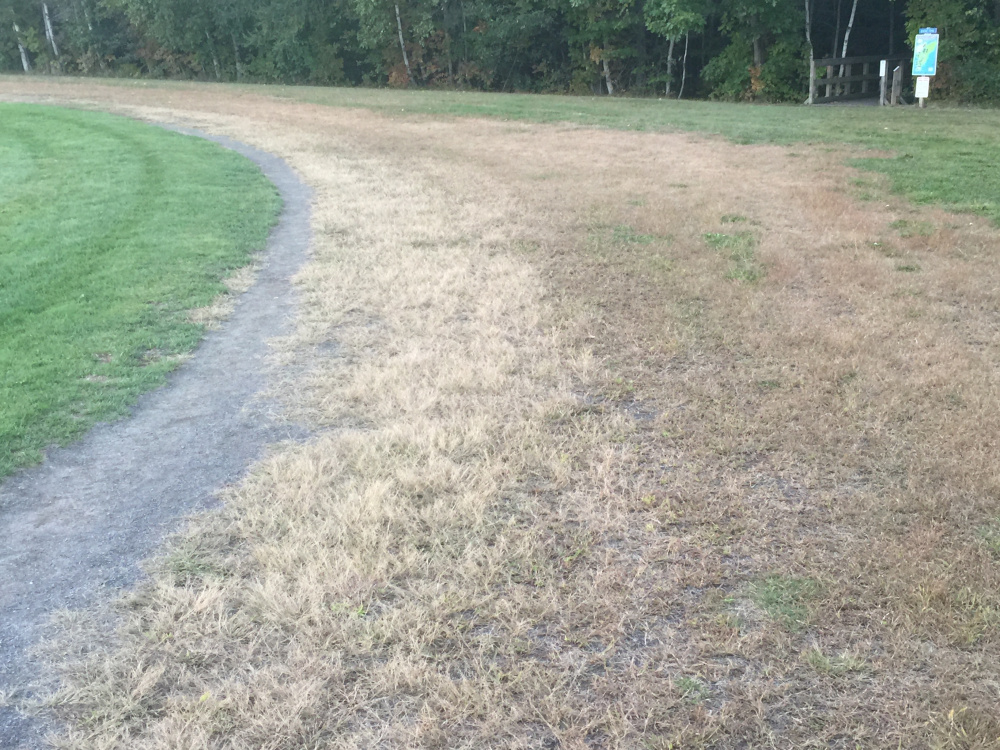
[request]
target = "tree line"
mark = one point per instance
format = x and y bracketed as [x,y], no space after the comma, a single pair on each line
[732,49]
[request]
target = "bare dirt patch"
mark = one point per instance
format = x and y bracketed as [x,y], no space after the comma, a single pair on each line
[629,440]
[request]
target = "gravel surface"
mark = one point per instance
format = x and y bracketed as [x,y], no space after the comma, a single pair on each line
[73,530]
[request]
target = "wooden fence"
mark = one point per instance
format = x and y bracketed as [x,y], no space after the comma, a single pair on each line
[844,78]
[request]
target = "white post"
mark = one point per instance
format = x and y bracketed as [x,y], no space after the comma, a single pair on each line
[883,71]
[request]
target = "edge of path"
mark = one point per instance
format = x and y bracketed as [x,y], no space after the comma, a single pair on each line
[74,529]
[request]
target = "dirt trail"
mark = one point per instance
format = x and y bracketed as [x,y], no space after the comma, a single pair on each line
[73,529]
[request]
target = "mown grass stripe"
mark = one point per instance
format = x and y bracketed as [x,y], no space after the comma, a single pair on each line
[110,231]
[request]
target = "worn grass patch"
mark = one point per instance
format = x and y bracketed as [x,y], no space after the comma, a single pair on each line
[110,232]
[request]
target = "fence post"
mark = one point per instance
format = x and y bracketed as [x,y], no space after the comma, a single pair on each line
[883,71]
[897,85]
[829,78]
[865,70]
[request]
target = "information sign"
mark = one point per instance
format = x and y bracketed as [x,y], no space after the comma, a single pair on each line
[925,53]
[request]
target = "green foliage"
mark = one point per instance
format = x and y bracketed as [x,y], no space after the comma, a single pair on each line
[728,73]
[969,56]
[741,50]
[110,231]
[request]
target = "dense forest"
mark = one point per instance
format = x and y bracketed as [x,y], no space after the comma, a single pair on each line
[731,49]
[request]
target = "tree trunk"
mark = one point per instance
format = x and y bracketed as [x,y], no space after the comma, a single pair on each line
[25,63]
[670,68]
[215,57]
[465,34]
[684,66]
[836,32]
[850,25]
[812,52]
[86,17]
[48,30]
[847,34]
[758,52]
[607,69]
[236,54]
[809,40]
[892,27]
[402,47]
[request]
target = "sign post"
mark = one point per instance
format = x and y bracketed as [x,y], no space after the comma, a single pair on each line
[925,55]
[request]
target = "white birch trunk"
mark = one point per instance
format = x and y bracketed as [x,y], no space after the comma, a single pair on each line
[670,67]
[402,46]
[607,76]
[236,54]
[215,57]
[812,55]
[847,34]
[48,30]
[25,63]
[684,65]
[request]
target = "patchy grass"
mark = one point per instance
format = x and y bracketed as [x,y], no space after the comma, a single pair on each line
[785,599]
[741,250]
[568,498]
[110,232]
[989,533]
[939,155]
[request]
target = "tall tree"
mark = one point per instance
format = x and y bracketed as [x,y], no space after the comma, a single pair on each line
[674,19]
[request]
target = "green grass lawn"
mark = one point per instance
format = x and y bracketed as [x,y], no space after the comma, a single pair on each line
[110,231]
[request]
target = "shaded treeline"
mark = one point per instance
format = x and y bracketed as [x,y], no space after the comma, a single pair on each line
[736,49]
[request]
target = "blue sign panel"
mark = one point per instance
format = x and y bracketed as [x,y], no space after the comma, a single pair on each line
[925,54]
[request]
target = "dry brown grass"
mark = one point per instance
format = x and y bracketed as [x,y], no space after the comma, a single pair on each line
[576,485]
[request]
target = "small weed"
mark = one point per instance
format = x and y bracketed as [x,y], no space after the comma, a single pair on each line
[833,665]
[785,599]
[733,219]
[908,267]
[908,228]
[886,249]
[188,562]
[661,264]
[768,385]
[692,689]
[625,234]
[963,728]
[989,535]
[349,610]
[741,248]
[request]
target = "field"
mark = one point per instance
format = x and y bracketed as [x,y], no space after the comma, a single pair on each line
[625,439]
[111,233]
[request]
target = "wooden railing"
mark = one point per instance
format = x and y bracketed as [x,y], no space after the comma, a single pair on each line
[843,78]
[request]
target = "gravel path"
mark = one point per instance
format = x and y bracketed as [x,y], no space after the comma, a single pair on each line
[73,530]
